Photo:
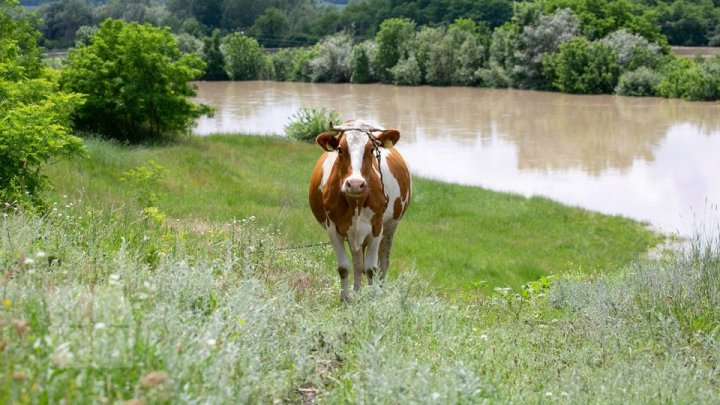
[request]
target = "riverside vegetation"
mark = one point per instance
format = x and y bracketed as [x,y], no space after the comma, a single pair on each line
[106,298]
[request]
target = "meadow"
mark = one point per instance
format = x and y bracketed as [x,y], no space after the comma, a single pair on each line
[458,238]
[106,300]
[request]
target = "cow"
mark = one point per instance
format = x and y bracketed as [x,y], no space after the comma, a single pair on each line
[359,190]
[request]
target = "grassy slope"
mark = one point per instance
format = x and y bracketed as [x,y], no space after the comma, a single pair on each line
[457,237]
[221,317]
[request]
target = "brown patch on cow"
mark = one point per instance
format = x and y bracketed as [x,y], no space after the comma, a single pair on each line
[401,173]
[397,208]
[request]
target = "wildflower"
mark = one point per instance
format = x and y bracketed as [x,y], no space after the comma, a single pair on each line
[7,302]
[28,261]
[435,396]
[484,337]
[211,342]
[548,394]
[153,379]
[99,325]
[40,254]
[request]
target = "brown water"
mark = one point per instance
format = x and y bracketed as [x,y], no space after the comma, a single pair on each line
[650,159]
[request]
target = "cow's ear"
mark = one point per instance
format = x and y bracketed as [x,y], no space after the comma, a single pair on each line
[389,138]
[327,141]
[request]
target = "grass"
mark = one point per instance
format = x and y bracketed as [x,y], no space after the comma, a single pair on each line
[110,305]
[461,239]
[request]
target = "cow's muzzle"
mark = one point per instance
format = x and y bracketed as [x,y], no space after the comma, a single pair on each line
[355,188]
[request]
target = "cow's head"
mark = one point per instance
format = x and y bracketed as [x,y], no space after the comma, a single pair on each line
[356,162]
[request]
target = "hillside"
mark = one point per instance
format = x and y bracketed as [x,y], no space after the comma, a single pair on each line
[106,303]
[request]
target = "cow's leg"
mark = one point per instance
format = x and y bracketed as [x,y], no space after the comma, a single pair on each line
[371,257]
[357,257]
[343,263]
[385,246]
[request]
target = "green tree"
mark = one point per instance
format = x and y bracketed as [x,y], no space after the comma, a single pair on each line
[360,64]
[583,67]
[61,20]
[690,79]
[243,57]
[271,28]
[332,63]
[136,82]
[213,57]
[392,45]
[34,116]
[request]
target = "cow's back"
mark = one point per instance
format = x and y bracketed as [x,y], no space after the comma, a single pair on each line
[397,183]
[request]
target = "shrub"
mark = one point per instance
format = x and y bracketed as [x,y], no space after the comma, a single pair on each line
[213,57]
[34,116]
[639,82]
[689,80]
[582,67]
[494,75]
[633,50]
[308,122]
[360,64]
[135,81]
[332,62]
[544,37]
[243,57]
[392,40]
[407,72]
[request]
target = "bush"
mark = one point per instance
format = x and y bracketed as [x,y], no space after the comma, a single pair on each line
[407,72]
[543,37]
[309,122]
[582,67]
[34,116]
[639,82]
[360,64]
[393,41]
[689,80]
[633,50]
[213,57]
[243,57]
[494,75]
[136,82]
[332,62]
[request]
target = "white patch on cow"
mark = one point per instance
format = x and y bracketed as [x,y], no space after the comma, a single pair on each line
[356,142]
[327,167]
[360,228]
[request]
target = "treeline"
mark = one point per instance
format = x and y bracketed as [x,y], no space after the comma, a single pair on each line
[292,23]
[544,47]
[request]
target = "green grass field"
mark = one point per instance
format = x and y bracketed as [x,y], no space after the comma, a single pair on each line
[111,305]
[458,238]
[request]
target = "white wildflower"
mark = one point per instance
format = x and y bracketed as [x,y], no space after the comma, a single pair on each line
[28,261]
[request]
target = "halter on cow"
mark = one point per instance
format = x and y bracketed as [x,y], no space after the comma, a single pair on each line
[359,191]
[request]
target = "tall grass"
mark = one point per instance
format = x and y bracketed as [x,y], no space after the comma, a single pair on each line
[220,315]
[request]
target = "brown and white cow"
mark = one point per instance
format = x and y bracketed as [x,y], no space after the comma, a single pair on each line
[358,198]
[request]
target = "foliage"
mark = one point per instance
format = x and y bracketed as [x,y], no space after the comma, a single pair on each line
[243,57]
[61,20]
[639,82]
[537,40]
[189,44]
[308,122]
[332,60]
[690,80]
[34,116]
[450,56]
[407,72]
[582,67]
[688,22]
[360,63]
[633,50]
[135,81]
[213,57]
[392,45]
[271,28]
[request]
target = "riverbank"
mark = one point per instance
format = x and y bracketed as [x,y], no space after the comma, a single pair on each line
[458,238]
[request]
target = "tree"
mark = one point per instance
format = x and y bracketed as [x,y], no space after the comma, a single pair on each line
[271,28]
[61,20]
[392,45]
[332,63]
[543,37]
[583,67]
[136,82]
[213,57]
[360,63]
[243,57]
[34,116]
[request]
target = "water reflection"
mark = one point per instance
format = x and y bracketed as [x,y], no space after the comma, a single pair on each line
[648,158]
